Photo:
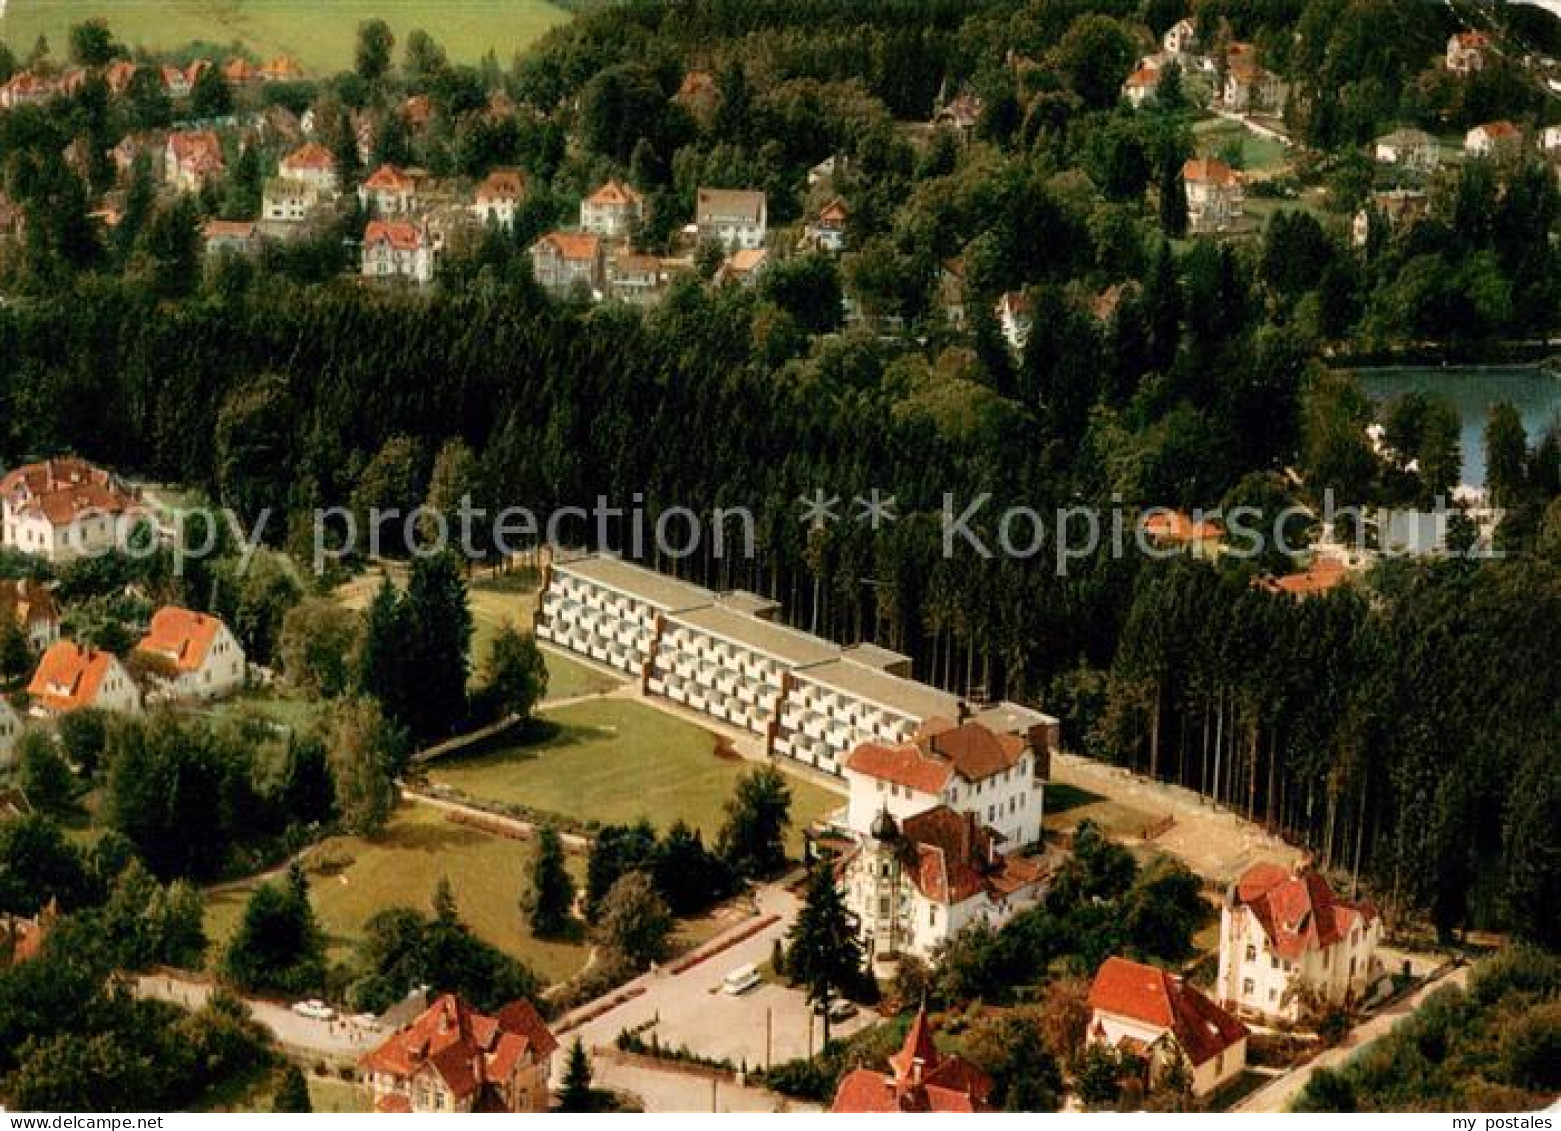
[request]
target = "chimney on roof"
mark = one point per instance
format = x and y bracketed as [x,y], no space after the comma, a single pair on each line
[962,713]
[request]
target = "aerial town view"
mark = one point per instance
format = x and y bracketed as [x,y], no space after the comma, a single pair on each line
[813,557]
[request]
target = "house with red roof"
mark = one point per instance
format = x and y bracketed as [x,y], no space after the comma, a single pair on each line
[613,211]
[563,262]
[1140,86]
[498,197]
[1216,194]
[1165,527]
[61,509]
[70,677]
[388,191]
[920,1079]
[397,249]
[827,231]
[1284,930]
[1467,51]
[1159,1018]
[1323,575]
[32,607]
[191,655]
[191,159]
[453,1059]
[313,165]
[1494,140]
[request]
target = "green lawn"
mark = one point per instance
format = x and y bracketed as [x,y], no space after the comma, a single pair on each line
[320,36]
[352,878]
[615,760]
[1256,153]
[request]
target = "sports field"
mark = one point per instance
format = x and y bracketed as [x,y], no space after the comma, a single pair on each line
[320,35]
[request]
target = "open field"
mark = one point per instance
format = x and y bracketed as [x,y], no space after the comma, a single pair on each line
[352,878]
[320,36]
[614,760]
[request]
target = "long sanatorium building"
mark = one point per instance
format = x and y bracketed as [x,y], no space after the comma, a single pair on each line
[726,656]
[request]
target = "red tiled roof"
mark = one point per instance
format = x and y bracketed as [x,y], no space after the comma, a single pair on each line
[1210,170]
[1298,910]
[69,676]
[310,157]
[388,178]
[401,235]
[1472,39]
[954,854]
[923,1080]
[941,748]
[1144,76]
[181,636]
[60,490]
[976,751]
[835,212]
[1499,129]
[232,229]
[1178,526]
[571,245]
[906,765]
[198,149]
[1321,576]
[502,184]
[1153,997]
[468,1051]
[614,194]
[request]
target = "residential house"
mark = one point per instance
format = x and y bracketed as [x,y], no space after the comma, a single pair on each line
[615,210]
[563,262]
[827,231]
[118,75]
[1215,194]
[961,114]
[1165,527]
[1014,318]
[1140,86]
[498,197]
[286,202]
[951,291]
[638,280]
[176,81]
[231,237]
[1283,931]
[70,677]
[1408,149]
[997,778]
[23,937]
[1394,208]
[312,165]
[1252,89]
[191,159]
[1467,51]
[31,606]
[61,509]
[1496,140]
[913,884]
[453,1059]
[282,68]
[920,1079]
[1161,1019]
[1325,574]
[1181,38]
[743,268]
[26,89]
[397,249]
[239,71]
[388,191]
[192,655]
[734,218]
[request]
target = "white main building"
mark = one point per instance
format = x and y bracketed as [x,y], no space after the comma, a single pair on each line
[726,656]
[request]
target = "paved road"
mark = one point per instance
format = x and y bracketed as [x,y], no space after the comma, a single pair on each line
[689,1009]
[1279,1095]
[337,1040]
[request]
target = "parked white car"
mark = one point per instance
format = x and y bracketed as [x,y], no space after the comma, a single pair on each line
[315,1010]
[741,980]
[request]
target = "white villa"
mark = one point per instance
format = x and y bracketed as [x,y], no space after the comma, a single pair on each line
[397,249]
[1159,1017]
[1281,930]
[195,655]
[612,210]
[61,509]
[312,165]
[498,198]
[388,191]
[734,218]
[727,656]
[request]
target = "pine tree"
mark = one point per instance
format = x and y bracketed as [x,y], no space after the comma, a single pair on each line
[753,839]
[824,955]
[292,1096]
[576,1094]
[381,658]
[550,902]
[437,638]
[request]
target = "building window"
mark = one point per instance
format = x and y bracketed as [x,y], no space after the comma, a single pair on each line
[1272,993]
[1273,962]
[1251,954]
[1247,987]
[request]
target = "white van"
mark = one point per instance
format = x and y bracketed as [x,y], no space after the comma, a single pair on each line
[741,980]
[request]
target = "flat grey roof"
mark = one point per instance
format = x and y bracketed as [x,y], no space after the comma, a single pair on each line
[774,640]
[665,593]
[876,655]
[1011,718]
[754,604]
[907,696]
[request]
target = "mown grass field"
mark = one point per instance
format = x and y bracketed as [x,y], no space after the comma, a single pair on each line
[1258,154]
[615,760]
[400,867]
[320,36]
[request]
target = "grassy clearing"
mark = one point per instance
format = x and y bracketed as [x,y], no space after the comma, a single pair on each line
[614,760]
[321,37]
[1068,806]
[1219,137]
[353,878]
